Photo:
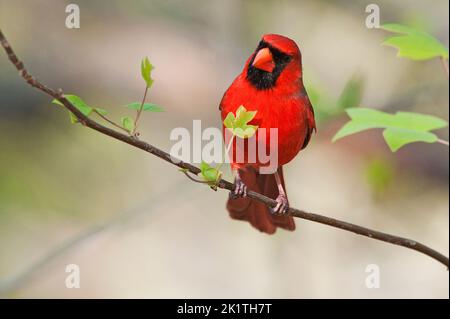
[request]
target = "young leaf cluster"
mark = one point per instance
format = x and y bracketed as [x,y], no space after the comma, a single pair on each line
[127,123]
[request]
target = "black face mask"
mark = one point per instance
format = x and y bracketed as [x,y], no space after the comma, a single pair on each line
[263,80]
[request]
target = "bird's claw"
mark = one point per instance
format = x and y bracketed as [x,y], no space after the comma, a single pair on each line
[240,190]
[282,207]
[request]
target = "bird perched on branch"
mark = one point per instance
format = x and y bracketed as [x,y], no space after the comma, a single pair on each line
[271,83]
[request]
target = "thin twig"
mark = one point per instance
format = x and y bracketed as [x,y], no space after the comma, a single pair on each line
[193,179]
[138,115]
[396,240]
[443,142]
[110,121]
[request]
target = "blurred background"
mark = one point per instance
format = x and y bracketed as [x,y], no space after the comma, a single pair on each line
[138,228]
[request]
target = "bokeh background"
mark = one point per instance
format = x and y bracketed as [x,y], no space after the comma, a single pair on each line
[138,228]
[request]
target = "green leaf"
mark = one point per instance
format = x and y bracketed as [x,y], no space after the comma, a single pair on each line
[370,116]
[400,129]
[204,165]
[414,44]
[246,132]
[229,120]
[78,103]
[243,117]
[398,137]
[209,173]
[352,127]
[73,118]
[146,71]
[239,124]
[127,123]
[150,107]
[101,111]
[421,122]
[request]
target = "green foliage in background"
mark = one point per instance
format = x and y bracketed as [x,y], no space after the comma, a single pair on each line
[327,107]
[379,174]
[399,129]
[414,44]
[126,122]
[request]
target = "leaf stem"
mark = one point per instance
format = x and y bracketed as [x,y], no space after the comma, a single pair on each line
[138,115]
[443,142]
[193,179]
[110,121]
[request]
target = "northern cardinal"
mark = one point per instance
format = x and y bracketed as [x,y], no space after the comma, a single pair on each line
[271,83]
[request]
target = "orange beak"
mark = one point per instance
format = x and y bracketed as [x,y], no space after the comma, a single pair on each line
[264,60]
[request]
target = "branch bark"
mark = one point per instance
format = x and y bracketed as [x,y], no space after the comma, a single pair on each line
[133,141]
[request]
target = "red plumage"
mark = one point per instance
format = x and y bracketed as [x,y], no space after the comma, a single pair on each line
[271,84]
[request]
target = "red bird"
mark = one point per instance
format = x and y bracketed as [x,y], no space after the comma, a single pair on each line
[271,84]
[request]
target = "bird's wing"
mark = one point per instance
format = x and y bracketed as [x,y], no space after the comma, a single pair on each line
[310,121]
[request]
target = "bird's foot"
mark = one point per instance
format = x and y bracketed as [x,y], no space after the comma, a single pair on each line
[282,207]
[240,189]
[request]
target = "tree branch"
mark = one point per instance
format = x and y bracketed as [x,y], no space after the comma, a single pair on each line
[133,141]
